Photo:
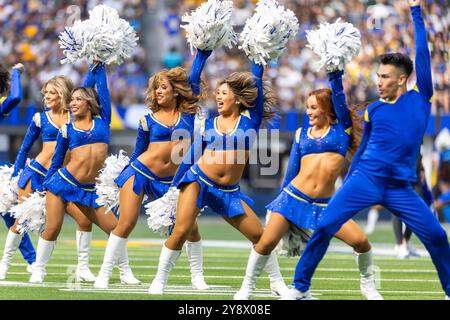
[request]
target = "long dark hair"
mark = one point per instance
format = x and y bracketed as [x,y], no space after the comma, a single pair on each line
[4,80]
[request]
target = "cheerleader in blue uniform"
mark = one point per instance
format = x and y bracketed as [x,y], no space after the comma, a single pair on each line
[384,166]
[317,156]
[57,93]
[173,98]
[210,173]
[86,140]
[6,105]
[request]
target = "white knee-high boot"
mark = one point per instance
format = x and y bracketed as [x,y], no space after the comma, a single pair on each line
[126,275]
[83,272]
[11,245]
[367,284]
[167,261]
[277,285]
[194,252]
[109,260]
[255,265]
[43,254]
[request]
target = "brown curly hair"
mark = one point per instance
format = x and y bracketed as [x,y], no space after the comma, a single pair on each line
[4,80]
[244,89]
[187,102]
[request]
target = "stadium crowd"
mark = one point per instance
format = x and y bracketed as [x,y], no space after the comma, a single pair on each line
[30,29]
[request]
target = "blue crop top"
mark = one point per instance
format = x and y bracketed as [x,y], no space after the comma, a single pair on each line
[151,130]
[13,100]
[70,137]
[336,139]
[41,124]
[240,138]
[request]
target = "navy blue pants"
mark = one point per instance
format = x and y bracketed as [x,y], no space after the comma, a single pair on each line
[361,191]
[25,247]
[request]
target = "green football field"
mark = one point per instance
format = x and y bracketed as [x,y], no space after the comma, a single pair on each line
[225,258]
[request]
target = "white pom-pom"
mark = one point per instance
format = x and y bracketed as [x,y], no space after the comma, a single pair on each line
[103,37]
[293,242]
[30,213]
[106,188]
[9,188]
[442,141]
[267,31]
[162,211]
[209,26]
[336,44]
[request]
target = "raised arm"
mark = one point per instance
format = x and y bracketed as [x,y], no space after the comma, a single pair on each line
[97,76]
[33,132]
[256,113]
[196,70]
[191,157]
[62,145]
[293,167]
[101,82]
[339,102]
[142,139]
[422,62]
[15,96]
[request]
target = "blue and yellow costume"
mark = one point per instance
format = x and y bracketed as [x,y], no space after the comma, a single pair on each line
[6,105]
[41,124]
[224,200]
[151,130]
[9,103]
[383,170]
[300,209]
[59,180]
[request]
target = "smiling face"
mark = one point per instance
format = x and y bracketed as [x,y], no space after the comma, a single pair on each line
[79,106]
[164,93]
[390,80]
[317,116]
[226,100]
[52,99]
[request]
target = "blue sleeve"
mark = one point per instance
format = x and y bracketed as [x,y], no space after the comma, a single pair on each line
[191,157]
[142,141]
[31,136]
[256,113]
[89,82]
[196,70]
[422,63]
[361,148]
[15,96]
[338,97]
[293,167]
[101,82]
[62,145]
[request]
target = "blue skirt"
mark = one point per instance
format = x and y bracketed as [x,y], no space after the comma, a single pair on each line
[63,184]
[144,179]
[35,172]
[223,200]
[298,208]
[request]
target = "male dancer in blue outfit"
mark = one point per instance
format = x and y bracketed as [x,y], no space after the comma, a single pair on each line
[384,166]
[6,105]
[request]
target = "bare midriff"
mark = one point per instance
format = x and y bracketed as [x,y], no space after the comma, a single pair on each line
[318,174]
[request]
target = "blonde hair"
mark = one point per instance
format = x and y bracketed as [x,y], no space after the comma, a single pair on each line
[244,89]
[64,86]
[91,97]
[186,100]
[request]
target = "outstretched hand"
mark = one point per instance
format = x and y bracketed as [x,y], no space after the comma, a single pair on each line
[414,3]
